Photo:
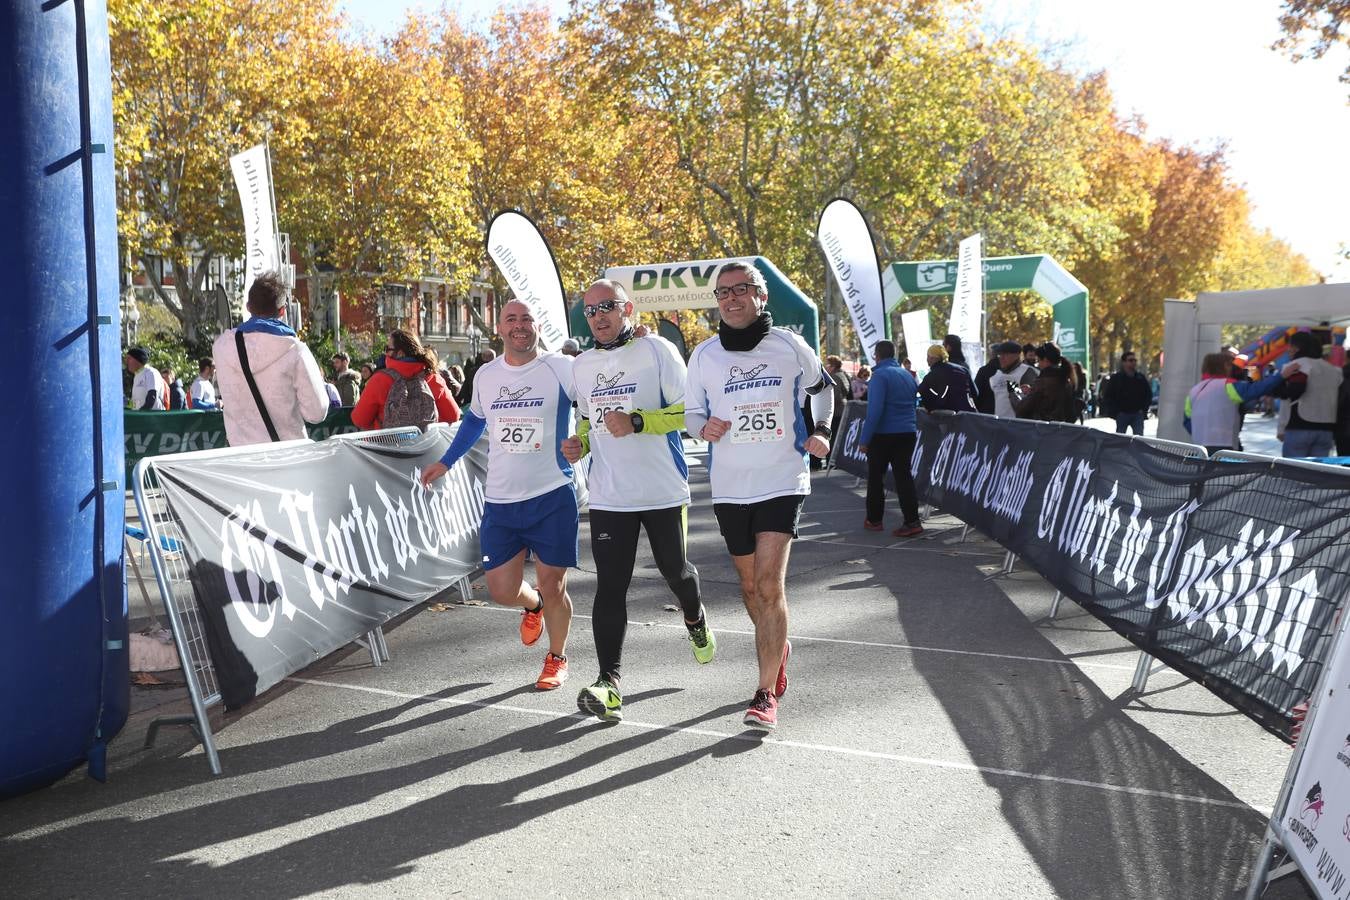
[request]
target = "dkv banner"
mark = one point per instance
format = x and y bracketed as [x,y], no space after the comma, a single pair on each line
[847,242]
[295,550]
[252,171]
[183,431]
[527,263]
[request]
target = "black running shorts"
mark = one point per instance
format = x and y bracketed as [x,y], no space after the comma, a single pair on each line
[740,522]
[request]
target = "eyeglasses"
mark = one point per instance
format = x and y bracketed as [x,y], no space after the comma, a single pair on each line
[603,306]
[739,290]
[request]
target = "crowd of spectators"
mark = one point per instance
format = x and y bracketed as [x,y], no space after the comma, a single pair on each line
[268,384]
[285,388]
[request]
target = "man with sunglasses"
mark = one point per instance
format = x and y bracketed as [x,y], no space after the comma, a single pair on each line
[742,397]
[1127,395]
[630,403]
[523,399]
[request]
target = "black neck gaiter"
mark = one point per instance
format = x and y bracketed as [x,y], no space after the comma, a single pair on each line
[746,338]
[624,337]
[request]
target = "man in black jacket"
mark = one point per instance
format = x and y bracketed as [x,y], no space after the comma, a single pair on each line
[1127,395]
[984,394]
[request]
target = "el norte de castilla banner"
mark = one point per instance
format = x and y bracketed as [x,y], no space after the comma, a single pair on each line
[1230,573]
[295,550]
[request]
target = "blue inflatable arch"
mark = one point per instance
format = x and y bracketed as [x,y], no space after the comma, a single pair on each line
[63,648]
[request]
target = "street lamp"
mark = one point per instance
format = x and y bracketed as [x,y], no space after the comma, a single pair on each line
[131,316]
[475,336]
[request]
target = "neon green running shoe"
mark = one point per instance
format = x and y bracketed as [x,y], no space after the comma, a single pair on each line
[703,641]
[601,700]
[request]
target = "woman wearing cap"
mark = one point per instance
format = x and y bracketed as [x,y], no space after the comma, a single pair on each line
[1050,398]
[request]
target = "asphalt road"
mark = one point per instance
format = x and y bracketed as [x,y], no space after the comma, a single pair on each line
[941,738]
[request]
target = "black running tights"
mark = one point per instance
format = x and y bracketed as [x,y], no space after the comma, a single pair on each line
[614,538]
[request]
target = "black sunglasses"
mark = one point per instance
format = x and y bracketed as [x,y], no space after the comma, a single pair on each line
[603,306]
[740,290]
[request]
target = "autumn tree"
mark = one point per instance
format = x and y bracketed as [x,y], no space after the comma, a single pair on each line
[1322,21]
[773,107]
[194,83]
[568,153]
[378,187]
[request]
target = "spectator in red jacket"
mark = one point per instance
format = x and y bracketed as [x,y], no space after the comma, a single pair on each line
[406,354]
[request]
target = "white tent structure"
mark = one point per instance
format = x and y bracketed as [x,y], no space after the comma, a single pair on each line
[1191,329]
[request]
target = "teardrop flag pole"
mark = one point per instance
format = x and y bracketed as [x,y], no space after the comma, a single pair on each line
[526,261]
[852,257]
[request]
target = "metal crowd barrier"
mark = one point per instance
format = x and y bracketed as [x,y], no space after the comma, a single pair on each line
[164,539]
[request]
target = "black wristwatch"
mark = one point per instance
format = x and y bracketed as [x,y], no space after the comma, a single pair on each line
[637,420]
[823,431]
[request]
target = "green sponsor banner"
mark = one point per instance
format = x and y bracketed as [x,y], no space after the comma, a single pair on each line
[1066,295]
[1004,273]
[160,433]
[1071,328]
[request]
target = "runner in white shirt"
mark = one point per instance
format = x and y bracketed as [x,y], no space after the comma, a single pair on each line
[524,401]
[742,397]
[202,394]
[630,398]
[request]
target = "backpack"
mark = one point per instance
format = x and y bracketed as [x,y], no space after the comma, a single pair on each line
[409,401]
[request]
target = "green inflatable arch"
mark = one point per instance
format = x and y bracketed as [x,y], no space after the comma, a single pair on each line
[1066,295]
[688,285]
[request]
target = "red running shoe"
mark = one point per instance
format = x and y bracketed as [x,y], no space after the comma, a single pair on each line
[531,625]
[780,688]
[872,526]
[763,712]
[554,673]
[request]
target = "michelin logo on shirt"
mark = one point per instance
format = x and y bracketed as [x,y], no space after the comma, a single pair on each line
[739,379]
[610,387]
[506,399]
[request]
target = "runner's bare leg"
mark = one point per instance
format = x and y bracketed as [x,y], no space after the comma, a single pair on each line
[557,605]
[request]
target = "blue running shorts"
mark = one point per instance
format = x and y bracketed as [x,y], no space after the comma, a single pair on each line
[547,525]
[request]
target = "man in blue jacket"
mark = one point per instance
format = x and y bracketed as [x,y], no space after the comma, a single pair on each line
[888,440]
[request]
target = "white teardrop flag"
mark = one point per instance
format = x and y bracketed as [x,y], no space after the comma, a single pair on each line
[527,263]
[847,243]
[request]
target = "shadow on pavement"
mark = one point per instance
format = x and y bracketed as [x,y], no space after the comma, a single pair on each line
[1054,721]
[366,852]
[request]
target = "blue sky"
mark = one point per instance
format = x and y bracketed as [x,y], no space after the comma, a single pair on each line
[1198,72]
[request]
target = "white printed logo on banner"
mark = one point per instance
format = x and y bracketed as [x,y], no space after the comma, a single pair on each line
[935,276]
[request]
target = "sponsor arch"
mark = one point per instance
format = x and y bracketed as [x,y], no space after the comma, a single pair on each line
[688,285]
[1067,296]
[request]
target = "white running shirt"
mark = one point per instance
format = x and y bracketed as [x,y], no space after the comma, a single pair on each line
[528,410]
[637,471]
[203,390]
[758,391]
